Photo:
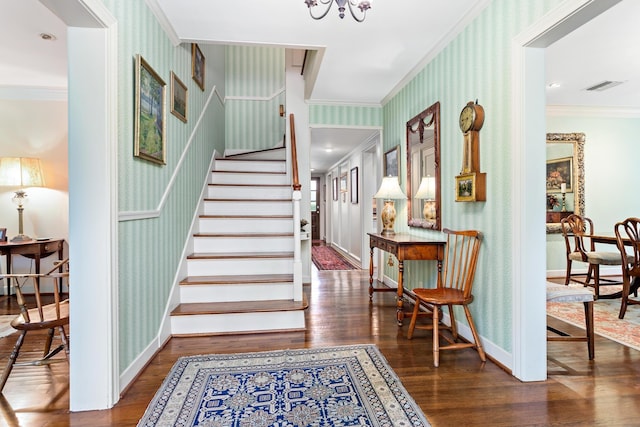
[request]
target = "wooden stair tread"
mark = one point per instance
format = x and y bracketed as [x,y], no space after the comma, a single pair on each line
[256,278]
[200,308]
[237,255]
[243,234]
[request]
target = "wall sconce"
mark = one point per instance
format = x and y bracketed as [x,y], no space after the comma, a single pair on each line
[427,191]
[20,172]
[389,189]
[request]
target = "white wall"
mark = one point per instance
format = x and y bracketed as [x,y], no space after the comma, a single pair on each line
[611,152]
[36,128]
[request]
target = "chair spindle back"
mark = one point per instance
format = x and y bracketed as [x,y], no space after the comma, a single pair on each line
[460,261]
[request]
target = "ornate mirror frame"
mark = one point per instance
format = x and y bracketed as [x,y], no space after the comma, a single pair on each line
[577,140]
[424,131]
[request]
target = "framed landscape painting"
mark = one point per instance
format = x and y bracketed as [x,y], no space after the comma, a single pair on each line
[150,113]
[391,167]
[178,98]
[197,65]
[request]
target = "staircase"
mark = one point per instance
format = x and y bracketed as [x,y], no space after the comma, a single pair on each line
[241,272]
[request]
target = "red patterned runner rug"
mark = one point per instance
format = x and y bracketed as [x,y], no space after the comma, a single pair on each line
[605,318]
[327,258]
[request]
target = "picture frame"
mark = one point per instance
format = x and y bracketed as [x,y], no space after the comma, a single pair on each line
[197,65]
[3,234]
[391,163]
[150,113]
[560,171]
[335,188]
[471,187]
[179,98]
[354,185]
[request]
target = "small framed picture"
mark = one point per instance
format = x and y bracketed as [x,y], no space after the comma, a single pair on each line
[3,234]
[335,188]
[178,98]
[150,114]
[391,166]
[197,65]
[471,187]
[560,171]
[354,185]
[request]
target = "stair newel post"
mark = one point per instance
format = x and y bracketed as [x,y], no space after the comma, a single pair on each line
[297,259]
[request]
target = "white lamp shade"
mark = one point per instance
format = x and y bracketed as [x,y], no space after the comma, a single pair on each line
[427,188]
[20,172]
[390,189]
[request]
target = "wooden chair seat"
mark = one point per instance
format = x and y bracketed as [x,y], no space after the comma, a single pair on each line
[53,315]
[441,296]
[602,258]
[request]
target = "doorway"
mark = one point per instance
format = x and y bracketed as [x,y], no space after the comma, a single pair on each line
[314,199]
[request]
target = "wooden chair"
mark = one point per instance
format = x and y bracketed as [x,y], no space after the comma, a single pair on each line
[454,287]
[628,229]
[39,317]
[566,294]
[576,230]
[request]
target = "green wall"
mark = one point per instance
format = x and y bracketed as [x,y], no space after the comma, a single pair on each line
[150,248]
[344,115]
[475,65]
[255,83]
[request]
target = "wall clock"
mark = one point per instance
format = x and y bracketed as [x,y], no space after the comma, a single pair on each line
[471,183]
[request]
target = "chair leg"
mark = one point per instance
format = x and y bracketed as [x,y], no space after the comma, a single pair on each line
[414,317]
[596,280]
[588,316]
[474,332]
[12,360]
[436,337]
[567,278]
[626,289]
[454,324]
[47,344]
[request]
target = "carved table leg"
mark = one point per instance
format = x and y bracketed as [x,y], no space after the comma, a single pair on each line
[371,275]
[400,297]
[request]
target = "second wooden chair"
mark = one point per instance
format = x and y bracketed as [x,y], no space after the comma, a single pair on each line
[453,288]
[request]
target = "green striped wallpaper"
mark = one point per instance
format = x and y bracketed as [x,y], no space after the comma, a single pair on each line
[344,115]
[475,65]
[256,73]
[150,249]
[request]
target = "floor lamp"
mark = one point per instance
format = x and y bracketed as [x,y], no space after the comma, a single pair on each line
[20,172]
[389,190]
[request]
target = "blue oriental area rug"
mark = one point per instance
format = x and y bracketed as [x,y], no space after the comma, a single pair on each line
[336,386]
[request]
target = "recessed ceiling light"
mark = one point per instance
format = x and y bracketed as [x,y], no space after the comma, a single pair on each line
[328,150]
[47,36]
[553,85]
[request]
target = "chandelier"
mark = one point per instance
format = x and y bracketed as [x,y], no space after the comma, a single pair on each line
[363,5]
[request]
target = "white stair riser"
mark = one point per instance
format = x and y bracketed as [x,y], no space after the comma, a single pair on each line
[243,244]
[249,166]
[246,207]
[207,267]
[249,178]
[236,292]
[237,322]
[245,225]
[248,192]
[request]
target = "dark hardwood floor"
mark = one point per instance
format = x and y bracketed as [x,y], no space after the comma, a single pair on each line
[462,391]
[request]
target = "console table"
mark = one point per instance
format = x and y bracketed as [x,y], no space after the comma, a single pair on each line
[34,249]
[404,247]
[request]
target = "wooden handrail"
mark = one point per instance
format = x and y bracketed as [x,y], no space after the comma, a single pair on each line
[294,154]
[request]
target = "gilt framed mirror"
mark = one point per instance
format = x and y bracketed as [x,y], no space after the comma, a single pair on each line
[423,169]
[564,177]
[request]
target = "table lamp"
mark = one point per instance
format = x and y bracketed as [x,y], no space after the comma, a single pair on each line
[20,172]
[427,191]
[389,190]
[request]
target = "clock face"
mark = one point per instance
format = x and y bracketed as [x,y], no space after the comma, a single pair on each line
[467,117]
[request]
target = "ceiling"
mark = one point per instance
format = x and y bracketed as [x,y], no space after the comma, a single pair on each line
[363,63]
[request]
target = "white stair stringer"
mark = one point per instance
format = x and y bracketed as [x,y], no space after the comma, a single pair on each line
[240,276]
